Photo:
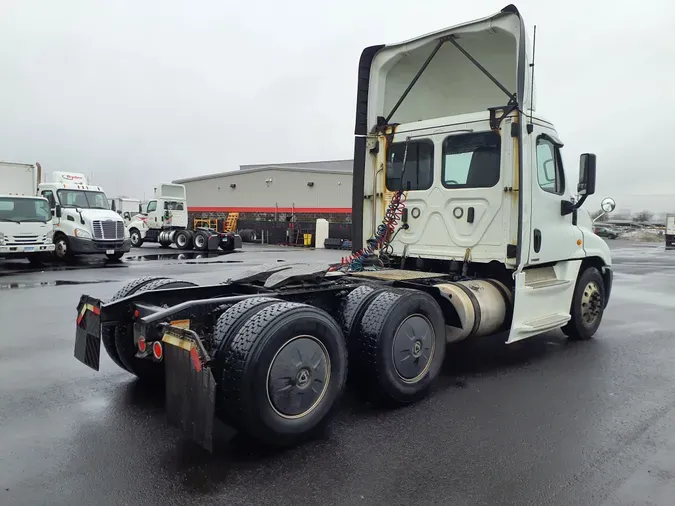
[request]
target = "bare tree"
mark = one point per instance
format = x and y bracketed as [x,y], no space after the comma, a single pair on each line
[599,215]
[643,216]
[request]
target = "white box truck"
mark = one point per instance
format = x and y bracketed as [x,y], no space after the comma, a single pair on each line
[126,207]
[83,221]
[670,231]
[26,227]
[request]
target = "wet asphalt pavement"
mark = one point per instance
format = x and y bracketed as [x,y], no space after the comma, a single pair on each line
[542,422]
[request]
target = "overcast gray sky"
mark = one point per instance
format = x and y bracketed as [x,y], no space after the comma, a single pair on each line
[143,91]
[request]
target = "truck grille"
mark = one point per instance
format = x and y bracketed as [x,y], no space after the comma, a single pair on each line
[20,240]
[108,230]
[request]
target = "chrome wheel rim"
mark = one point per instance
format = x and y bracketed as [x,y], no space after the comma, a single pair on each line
[591,303]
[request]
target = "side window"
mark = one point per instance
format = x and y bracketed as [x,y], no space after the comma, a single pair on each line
[152,206]
[49,195]
[471,160]
[419,165]
[550,175]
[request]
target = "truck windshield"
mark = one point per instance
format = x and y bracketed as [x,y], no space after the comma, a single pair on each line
[83,198]
[24,210]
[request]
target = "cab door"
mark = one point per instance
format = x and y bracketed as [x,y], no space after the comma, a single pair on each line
[545,280]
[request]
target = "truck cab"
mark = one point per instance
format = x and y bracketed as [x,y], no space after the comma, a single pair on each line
[455,170]
[166,212]
[83,220]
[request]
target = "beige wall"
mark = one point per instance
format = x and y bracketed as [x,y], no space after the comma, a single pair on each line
[288,188]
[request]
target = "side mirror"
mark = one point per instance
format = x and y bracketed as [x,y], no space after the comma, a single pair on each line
[608,205]
[586,184]
[57,211]
[140,208]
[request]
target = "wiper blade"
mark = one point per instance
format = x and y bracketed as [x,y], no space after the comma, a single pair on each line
[8,220]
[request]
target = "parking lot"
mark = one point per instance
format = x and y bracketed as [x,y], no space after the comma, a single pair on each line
[545,421]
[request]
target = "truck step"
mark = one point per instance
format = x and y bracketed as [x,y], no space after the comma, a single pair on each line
[547,283]
[545,323]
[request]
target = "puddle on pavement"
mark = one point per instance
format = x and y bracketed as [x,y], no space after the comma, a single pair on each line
[59,282]
[182,256]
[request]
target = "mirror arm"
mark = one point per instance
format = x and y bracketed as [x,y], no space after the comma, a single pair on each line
[567,207]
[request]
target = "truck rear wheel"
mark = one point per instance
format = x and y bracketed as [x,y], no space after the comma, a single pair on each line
[402,346]
[108,333]
[201,240]
[284,372]
[183,239]
[145,369]
[588,305]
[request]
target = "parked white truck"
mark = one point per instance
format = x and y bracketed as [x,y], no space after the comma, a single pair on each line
[26,227]
[165,221]
[83,221]
[670,231]
[126,207]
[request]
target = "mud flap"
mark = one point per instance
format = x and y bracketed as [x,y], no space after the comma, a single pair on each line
[88,332]
[190,387]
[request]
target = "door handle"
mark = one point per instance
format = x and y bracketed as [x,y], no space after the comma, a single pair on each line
[537,240]
[470,215]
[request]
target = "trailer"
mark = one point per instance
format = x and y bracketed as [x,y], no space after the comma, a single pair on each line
[670,231]
[489,240]
[165,221]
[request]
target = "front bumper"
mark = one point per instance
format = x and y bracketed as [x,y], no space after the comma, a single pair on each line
[88,246]
[190,386]
[27,249]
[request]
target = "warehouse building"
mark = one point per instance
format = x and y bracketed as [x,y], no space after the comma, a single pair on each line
[259,195]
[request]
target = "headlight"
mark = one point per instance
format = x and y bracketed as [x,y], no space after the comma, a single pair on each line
[79,232]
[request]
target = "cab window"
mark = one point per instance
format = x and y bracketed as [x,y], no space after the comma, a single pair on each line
[419,165]
[152,206]
[550,175]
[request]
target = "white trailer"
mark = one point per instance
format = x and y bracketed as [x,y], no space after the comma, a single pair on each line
[26,227]
[83,221]
[126,207]
[670,231]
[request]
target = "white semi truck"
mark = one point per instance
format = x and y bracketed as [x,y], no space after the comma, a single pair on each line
[26,227]
[165,221]
[83,221]
[465,225]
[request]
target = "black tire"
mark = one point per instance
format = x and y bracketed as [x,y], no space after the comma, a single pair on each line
[232,319]
[587,300]
[108,333]
[352,308]
[62,251]
[145,369]
[385,326]
[278,337]
[135,238]
[226,246]
[201,240]
[183,239]
[115,256]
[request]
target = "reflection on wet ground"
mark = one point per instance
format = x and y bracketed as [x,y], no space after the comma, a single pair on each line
[57,282]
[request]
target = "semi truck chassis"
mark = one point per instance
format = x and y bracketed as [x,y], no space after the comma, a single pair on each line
[266,351]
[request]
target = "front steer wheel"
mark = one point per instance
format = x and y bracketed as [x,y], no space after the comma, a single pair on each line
[283,373]
[145,369]
[588,305]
